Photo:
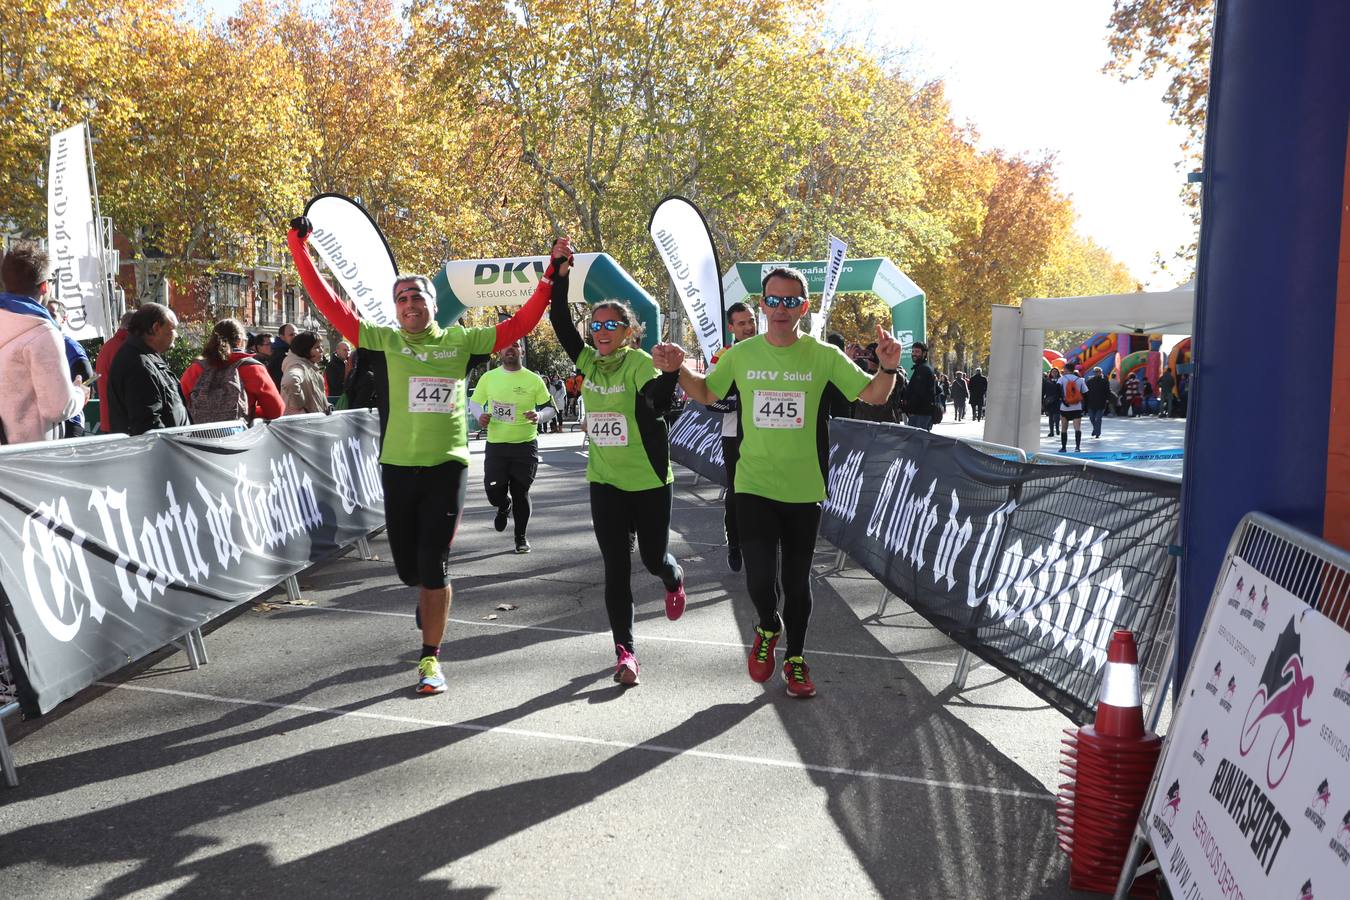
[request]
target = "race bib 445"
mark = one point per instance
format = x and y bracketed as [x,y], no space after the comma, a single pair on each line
[779,409]
[432,395]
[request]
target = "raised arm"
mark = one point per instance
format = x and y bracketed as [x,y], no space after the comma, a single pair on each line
[337,312]
[878,390]
[560,317]
[528,316]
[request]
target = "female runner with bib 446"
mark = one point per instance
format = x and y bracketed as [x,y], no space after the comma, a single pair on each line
[628,467]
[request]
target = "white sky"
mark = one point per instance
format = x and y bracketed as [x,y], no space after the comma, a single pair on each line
[1027,74]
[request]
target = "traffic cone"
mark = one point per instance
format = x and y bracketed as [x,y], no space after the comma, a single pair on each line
[1109,765]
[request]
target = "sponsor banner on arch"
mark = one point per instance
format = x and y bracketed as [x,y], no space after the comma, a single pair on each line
[1252,798]
[113,549]
[1030,567]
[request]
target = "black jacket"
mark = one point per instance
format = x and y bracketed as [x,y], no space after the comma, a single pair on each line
[335,376]
[979,386]
[1098,393]
[921,392]
[274,360]
[1050,396]
[143,393]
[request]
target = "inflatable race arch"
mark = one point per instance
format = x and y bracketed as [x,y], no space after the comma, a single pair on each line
[509,281]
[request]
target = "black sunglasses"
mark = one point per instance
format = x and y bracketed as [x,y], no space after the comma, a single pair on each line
[608,325]
[773,301]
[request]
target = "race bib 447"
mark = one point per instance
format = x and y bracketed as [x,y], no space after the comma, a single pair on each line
[432,395]
[607,429]
[779,409]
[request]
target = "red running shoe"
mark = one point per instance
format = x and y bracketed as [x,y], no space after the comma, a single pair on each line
[626,671]
[675,603]
[760,662]
[797,674]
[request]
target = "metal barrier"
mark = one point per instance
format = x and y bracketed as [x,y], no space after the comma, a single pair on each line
[1309,568]
[192,643]
[6,757]
[967,660]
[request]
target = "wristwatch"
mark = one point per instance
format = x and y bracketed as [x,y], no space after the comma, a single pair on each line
[886,370]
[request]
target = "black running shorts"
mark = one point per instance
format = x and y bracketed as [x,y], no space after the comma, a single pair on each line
[421,509]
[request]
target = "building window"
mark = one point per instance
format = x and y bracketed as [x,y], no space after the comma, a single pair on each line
[288,307]
[227,296]
[263,308]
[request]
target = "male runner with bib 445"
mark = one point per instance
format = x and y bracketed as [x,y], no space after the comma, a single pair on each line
[425,454]
[780,478]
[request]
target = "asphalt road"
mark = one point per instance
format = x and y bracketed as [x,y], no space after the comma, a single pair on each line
[299,763]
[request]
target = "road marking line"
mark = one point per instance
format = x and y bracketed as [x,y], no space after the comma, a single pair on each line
[646,637]
[596,742]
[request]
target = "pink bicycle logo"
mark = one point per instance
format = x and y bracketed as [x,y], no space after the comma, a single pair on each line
[1284,710]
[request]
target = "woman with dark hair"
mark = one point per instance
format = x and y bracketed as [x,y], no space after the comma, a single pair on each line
[302,375]
[628,464]
[227,383]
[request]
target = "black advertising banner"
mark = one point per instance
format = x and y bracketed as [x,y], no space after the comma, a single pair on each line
[1030,567]
[696,442]
[114,548]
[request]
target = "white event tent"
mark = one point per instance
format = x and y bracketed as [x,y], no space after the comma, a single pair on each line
[1017,339]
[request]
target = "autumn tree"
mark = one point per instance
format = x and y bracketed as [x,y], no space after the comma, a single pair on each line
[1173,38]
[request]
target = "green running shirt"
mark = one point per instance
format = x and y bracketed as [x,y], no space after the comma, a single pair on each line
[780,390]
[617,455]
[427,401]
[507,396]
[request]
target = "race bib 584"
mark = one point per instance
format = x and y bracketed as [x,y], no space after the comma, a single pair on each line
[504,412]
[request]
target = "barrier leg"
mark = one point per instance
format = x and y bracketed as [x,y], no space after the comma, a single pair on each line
[1130,869]
[189,646]
[292,589]
[962,670]
[7,758]
[363,548]
[838,565]
[697,479]
[885,599]
[196,635]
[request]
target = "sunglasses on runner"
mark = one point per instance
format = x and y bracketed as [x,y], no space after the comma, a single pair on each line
[773,301]
[608,325]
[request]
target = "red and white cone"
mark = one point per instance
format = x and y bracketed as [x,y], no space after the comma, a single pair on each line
[1109,765]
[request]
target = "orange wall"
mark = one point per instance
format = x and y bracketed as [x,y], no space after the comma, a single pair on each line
[1337,525]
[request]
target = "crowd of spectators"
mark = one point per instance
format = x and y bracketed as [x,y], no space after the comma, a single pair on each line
[46,375]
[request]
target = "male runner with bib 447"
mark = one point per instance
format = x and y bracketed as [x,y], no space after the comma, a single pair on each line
[425,453]
[780,478]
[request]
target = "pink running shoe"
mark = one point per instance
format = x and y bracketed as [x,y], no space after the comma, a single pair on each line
[626,671]
[675,603]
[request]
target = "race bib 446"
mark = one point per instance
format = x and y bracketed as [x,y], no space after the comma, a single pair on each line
[779,409]
[607,429]
[432,395]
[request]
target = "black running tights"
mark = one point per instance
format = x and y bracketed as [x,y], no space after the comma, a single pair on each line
[615,514]
[766,527]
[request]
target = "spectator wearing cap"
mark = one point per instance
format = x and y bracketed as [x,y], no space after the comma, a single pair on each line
[142,391]
[37,395]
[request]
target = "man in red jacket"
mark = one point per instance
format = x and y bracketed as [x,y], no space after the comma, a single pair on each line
[103,364]
[425,453]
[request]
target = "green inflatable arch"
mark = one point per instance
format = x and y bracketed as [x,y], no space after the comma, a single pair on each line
[509,281]
[877,276]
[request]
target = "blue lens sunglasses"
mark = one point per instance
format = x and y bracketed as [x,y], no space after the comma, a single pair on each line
[608,325]
[773,301]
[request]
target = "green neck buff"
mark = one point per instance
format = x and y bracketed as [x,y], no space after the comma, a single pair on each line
[613,362]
